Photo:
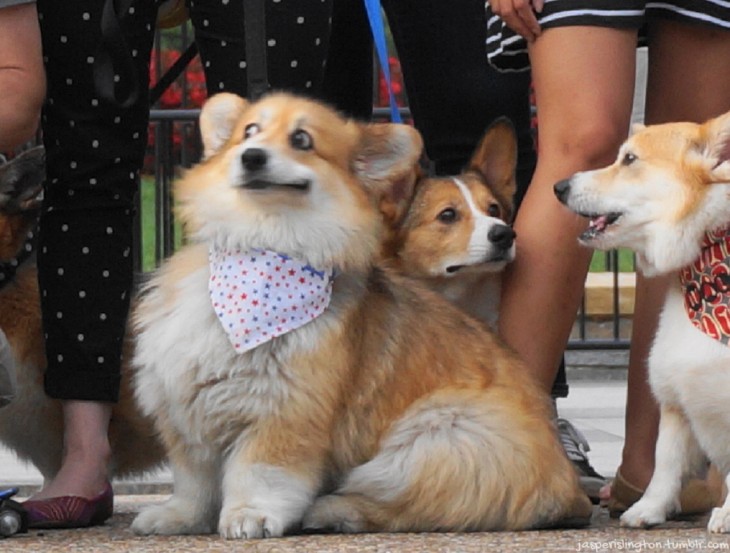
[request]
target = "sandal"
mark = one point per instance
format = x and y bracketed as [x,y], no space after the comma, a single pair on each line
[698,496]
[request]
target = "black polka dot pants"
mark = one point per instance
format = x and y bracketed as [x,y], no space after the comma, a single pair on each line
[94,153]
[297,43]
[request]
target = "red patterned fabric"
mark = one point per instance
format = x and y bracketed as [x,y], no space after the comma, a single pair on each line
[70,511]
[706,285]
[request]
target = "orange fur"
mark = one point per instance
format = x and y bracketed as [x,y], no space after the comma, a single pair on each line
[415,415]
[457,256]
[666,198]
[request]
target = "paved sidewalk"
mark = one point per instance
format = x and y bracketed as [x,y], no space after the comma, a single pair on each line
[604,534]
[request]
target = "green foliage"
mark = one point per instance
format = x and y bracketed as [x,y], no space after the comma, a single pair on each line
[604,261]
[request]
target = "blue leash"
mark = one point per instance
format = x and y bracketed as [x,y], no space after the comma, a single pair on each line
[376,25]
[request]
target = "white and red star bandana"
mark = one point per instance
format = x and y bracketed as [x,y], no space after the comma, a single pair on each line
[706,285]
[259,294]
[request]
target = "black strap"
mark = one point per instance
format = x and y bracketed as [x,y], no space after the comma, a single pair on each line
[173,72]
[255,28]
[10,267]
[114,57]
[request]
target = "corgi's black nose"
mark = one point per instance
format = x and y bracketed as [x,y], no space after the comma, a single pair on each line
[502,236]
[254,159]
[562,190]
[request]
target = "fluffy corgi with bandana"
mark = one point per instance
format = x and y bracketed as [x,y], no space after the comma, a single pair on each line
[667,197]
[300,384]
[455,233]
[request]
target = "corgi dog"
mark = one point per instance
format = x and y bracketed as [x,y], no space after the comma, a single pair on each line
[455,233]
[299,383]
[31,424]
[667,197]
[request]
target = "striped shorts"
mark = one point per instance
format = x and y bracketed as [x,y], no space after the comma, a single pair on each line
[507,51]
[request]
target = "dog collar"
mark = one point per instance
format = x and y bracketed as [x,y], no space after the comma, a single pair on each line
[258,295]
[706,286]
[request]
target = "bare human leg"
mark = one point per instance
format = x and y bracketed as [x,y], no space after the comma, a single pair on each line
[584,81]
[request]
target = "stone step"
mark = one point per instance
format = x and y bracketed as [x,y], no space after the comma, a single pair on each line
[599,294]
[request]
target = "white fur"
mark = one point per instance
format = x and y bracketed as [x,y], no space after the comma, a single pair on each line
[664,220]
[262,501]
[470,451]
[478,274]
[310,227]
[183,333]
[690,377]
[480,249]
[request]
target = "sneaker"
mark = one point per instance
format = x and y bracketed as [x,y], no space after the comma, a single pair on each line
[577,448]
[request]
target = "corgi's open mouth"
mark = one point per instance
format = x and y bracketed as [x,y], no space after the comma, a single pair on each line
[482,265]
[598,223]
[300,185]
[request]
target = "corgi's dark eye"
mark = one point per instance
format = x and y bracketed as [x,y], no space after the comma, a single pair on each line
[251,130]
[301,140]
[494,211]
[628,159]
[448,215]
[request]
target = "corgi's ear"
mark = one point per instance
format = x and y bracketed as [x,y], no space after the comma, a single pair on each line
[387,158]
[718,147]
[218,118]
[398,196]
[495,158]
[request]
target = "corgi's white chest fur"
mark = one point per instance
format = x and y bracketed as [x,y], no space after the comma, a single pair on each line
[193,371]
[681,350]
[691,371]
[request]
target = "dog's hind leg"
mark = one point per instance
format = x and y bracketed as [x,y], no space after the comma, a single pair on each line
[677,455]
[270,479]
[451,466]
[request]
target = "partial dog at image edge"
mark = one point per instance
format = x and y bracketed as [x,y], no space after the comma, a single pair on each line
[383,408]
[31,425]
[667,197]
[455,234]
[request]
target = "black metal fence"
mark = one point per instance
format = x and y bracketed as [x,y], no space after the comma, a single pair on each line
[175,145]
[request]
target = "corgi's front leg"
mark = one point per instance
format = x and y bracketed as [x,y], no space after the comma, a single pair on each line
[677,455]
[267,486]
[720,520]
[194,504]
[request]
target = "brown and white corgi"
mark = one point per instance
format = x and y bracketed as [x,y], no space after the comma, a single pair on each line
[455,234]
[667,197]
[297,382]
[31,424]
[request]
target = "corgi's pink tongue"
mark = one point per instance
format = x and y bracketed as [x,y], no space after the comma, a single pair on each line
[598,223]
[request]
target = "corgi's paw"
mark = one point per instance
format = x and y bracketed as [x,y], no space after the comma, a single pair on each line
[173,517]
[248,523]
[719,521]
[333,513]
[644,514]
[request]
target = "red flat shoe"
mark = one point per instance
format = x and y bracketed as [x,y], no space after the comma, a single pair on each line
[70,511]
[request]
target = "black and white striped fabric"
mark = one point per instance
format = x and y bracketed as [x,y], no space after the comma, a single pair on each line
[507,51]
